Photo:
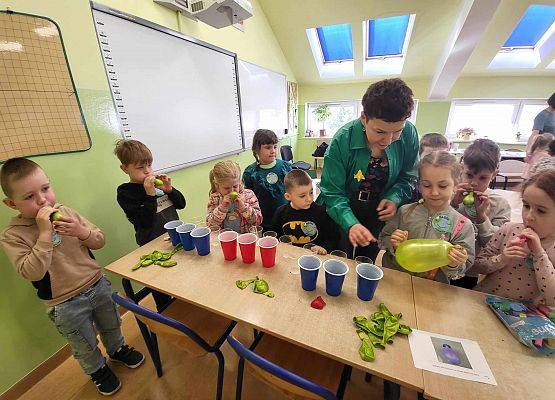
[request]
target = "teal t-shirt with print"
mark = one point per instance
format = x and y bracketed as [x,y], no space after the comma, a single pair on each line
[266,181]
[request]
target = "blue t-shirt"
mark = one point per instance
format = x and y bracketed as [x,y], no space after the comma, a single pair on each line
[267,185]
[545,122]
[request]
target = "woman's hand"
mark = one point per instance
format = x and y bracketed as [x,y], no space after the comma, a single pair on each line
[457,256]
[360,236]
[398,236]
[532,240]
[386,209]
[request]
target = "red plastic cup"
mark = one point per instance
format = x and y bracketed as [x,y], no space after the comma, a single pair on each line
[268,247]
[247,245]
[228,241]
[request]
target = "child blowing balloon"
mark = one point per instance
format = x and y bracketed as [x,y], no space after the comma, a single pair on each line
[230,205]
[433,218]
[518,260]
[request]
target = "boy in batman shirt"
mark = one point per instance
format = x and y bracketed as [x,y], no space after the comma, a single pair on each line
[304,221]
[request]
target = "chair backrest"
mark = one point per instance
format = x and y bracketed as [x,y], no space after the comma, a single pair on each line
[286,153]
[278,371]
[511,166]
[159,323]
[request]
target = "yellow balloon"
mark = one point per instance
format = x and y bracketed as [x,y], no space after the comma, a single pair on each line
[421,255]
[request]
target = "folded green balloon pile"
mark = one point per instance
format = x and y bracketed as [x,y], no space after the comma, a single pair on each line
[260,286]
[158,258]
[378,331]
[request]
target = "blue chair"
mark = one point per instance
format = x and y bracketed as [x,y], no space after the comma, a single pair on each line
[287,155]
[195,330]
[290,368]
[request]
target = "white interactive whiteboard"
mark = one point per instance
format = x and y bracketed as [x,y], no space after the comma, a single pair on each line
[176,94]
[263,100]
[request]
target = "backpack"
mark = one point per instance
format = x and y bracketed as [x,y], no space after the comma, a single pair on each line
[320,150]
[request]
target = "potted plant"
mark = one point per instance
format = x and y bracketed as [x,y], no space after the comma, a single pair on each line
[322,113]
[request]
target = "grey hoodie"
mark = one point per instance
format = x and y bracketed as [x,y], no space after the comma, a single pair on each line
[416,219]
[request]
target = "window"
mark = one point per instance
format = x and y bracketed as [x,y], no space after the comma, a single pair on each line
[385,43]
[532,26]
[332,49]
[530,42]
[386,36]
[499,120]
[336,42]
[340,112]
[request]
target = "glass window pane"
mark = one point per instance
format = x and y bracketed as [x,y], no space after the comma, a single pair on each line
[387,35]
[534,23]
[336,42]
[340,114]
[489,120]
[526,120]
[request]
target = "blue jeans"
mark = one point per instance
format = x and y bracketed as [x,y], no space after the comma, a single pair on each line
[77,318]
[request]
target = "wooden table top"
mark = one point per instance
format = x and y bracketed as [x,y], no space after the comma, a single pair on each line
[453,311]
[209,282]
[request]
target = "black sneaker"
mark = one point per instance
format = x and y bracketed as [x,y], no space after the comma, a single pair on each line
[106,381]
[129,356]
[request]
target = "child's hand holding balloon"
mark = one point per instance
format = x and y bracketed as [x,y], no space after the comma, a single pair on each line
[457,256]
[515,250]
[533,240]
[398,236]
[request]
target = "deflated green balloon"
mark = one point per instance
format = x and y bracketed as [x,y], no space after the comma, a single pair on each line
[421,255]
[468,200]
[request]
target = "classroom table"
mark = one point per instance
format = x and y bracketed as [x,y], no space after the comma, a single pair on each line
[515,201]
[209,282]
[453,311]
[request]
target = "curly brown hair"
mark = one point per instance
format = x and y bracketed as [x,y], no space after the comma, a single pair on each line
[389,100]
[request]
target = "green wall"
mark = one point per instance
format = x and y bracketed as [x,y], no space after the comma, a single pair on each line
[87,181]
[432,116]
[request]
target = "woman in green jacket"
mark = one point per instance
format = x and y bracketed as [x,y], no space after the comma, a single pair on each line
[370,166]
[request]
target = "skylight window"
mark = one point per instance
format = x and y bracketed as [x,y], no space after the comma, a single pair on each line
[532,26]
[386,36]
[336,42]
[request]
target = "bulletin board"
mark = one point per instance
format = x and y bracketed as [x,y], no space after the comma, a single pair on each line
[39,107]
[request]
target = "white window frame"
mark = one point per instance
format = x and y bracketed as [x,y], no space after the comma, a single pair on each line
[328,69]
[515,119]
[358,109]
[384,65]
[525,56]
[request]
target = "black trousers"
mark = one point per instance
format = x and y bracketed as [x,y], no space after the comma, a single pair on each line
[366,213]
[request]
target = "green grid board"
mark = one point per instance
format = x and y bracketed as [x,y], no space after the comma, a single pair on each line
[39,107]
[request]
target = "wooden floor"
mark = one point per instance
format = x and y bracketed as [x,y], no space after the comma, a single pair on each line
[184,377]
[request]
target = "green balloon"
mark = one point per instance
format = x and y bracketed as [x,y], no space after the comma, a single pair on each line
[421,255]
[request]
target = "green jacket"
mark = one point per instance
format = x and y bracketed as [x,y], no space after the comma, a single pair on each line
[346,161]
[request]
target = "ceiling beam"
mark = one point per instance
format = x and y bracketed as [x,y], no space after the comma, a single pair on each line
[473,18]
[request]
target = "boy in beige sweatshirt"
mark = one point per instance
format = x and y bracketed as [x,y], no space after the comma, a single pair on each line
[50,245]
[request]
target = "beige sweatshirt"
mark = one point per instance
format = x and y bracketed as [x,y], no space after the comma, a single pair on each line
[58,272]
[528,280]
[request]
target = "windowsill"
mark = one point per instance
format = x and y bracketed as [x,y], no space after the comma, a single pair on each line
[315,137]
[523,143]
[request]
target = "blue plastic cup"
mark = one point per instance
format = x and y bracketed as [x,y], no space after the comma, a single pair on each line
[309,265]
[201,239]
[335,275]
[184,232]
[171,227]
[368,277]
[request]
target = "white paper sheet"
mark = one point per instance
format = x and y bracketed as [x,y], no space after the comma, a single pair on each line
[447,355]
